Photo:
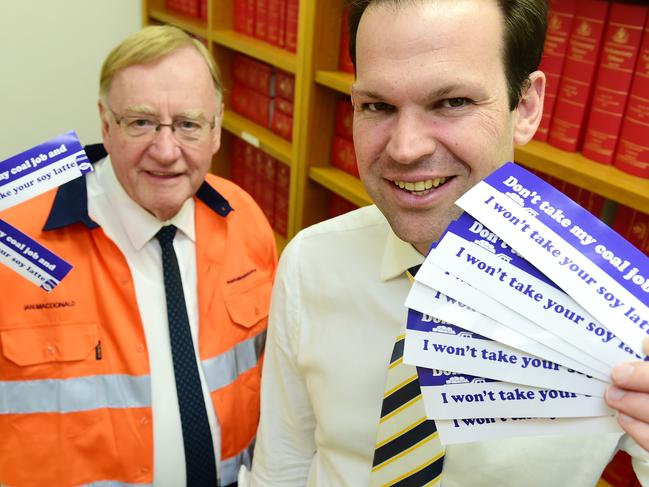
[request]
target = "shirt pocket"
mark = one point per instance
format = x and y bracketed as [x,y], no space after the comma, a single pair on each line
[249,307]
[49,344]
[51,379]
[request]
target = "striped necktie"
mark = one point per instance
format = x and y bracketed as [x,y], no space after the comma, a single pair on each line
[408,452]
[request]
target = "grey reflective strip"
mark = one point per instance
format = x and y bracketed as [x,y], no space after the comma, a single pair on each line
[72,395]
[225,368]
[112,483]
[230,467]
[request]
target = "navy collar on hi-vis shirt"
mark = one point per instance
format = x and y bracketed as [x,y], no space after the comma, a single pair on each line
[71,201]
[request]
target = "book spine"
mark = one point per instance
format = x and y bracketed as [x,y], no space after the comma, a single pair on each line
[343,156]
[274,18]
[249,26]
[239,16]
[344,118]
[261,20]
[284,85]
[292,12]
[575,89]
[282,124]
[562,14]
[632,155]
[344,60]
[633,225]
[283,181]
[615,73]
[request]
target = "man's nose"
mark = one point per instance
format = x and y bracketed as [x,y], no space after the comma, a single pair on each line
[411,138]
[165,147]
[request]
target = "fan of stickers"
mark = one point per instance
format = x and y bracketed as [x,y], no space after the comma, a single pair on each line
[504,349]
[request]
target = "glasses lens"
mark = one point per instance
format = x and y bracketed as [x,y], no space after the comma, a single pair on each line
[139,126]
[189,130]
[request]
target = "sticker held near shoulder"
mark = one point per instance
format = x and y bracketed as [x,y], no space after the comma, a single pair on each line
[30,259]
[41,168]
[600,270]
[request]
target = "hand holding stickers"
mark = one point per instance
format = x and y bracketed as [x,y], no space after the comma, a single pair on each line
[546,353]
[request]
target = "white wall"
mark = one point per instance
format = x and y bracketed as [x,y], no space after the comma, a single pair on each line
[50,56]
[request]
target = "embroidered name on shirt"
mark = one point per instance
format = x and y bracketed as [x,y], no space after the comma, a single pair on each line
[55,304]
[242,276]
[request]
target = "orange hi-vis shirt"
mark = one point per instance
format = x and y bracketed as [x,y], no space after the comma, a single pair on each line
[75,398]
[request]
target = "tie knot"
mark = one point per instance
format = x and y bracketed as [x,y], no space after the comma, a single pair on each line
[166,234]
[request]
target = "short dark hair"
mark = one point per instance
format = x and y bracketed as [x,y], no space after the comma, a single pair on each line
[525,24]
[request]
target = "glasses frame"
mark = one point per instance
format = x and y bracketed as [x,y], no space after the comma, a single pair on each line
[118,120]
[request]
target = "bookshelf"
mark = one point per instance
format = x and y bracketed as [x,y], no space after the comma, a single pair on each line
[318,85]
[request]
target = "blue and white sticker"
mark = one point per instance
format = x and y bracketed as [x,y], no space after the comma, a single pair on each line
[30,259]
[41,168]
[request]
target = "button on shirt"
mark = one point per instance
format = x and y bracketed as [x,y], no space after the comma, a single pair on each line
[337,306]
[133,230]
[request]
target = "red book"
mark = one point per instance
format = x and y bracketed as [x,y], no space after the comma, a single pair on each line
[339,205]
[282,125]
[261,20]
[292,7]
[615,73]
[251,104]
[344,118]
[343,156]
[237,168]
[240,16]
[284,85]
[584,46]
[633,225]
[562,13]
[283,183]
[252,74]
[267,192]
[202,10]
[344,60]
[632,154]
[284,106]
[249,169]
[275,19]
[249,26]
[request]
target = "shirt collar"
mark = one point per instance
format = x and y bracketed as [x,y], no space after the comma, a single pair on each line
[140,225]
[398,257]
[70,203]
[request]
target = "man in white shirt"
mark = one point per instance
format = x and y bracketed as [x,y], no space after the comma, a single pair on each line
[444,90]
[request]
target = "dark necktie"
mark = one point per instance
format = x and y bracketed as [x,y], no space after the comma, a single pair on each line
[200,460]
[408,452]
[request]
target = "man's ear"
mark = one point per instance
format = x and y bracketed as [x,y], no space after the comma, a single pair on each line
[105,126]
[530,109]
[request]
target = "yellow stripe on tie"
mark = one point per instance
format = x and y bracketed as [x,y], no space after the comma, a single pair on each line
[399,386]
[418,468]
[405,452]
[399,433]
[398,410]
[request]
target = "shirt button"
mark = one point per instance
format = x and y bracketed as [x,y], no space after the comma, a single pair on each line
[123,280]
[144,470]
[139,348]
[51,349]
[144,420]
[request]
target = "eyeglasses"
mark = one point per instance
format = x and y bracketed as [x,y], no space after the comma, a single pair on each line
[144,127]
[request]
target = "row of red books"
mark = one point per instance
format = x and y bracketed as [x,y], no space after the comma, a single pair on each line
[596,59]
[263,94]
[271,21]
[191,8]
[343,155]
[266,179]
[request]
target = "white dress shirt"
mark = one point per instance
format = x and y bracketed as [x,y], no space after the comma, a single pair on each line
[133,230]
[337,307]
